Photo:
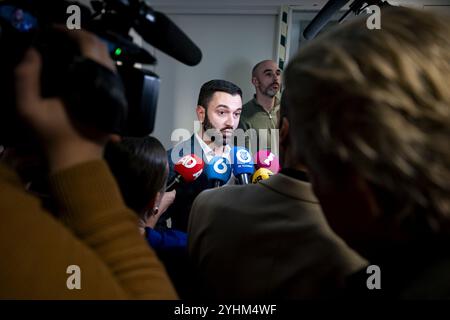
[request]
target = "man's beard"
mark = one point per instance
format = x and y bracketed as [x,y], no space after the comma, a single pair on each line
[269,91]
[207,125]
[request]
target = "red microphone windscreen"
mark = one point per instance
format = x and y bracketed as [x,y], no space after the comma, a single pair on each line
[189,167]
[268,160]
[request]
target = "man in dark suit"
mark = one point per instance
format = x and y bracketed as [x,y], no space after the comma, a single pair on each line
[218,110]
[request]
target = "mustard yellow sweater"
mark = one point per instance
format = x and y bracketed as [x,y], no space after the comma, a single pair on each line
[97,233]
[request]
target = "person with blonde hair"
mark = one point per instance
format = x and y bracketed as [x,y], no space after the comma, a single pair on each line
[369,114]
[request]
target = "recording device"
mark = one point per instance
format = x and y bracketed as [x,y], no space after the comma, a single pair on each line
[188,169]
[261,174]
[268,160]
[331,7]
[242,165]
[94,96]
[218,170]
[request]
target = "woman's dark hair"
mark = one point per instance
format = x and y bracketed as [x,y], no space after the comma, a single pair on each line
[140,167]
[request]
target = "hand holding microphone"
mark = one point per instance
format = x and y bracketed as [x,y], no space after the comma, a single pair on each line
[218,170]
[188,168]
[243,166]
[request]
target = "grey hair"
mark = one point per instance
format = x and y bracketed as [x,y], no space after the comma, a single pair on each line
[378,101]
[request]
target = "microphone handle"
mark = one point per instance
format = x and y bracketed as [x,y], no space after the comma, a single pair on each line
[243,178]
[174,183]
[216,183]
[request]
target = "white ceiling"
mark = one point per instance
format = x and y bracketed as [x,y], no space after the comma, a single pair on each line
[308,3]
[257,6]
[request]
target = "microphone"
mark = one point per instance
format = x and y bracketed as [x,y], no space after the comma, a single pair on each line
[357,6]
[322,18]
[268,160]
[261,174]
[158,30]
[218,170]
[242,165]
[154,27]
[333,6]
[189,168]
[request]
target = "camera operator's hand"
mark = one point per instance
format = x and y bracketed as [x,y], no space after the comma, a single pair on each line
[63,144]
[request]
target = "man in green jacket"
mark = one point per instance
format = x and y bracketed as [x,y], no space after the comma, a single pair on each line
[261,113]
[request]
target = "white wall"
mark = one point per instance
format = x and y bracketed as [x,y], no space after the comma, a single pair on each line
[233,35]
[231,45]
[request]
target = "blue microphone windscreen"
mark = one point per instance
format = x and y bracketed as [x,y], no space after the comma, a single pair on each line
[242,161]
[218,168]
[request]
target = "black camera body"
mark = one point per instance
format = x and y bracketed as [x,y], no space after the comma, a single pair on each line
[94,95]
